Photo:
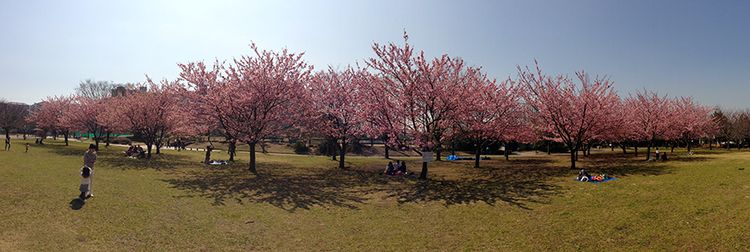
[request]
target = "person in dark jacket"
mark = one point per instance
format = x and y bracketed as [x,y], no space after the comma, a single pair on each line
[389,170]
[402,168]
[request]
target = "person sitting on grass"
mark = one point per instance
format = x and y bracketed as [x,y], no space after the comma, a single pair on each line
[129,152]
[139,153]
[85,182]
[583,176]
[389,170]
[401,168]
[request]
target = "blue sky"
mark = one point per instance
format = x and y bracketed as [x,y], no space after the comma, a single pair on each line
[682,48]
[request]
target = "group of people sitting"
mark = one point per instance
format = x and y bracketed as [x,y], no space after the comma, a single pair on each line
[398,170]
[135,151]
[584,176]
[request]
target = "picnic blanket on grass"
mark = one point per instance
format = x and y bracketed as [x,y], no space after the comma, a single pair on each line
[596,182]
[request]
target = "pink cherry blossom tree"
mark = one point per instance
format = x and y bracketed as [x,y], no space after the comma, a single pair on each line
[49,116]
[692,121]
[256,96]
[204,106]
[570,111]
[82,116]
[616,129]
[493,112]
[147,114]
[621,129]
[382,113]
[427,95]
[652,116]
[111,119]
[337,106]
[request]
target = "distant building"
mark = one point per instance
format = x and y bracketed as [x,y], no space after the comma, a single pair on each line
[124,90]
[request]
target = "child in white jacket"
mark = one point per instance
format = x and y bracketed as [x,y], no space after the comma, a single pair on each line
[85,182]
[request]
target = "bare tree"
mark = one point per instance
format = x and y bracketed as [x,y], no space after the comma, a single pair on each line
[11,117]
[95,89]
[739,127]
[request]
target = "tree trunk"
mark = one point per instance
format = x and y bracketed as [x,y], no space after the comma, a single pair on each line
[477,155]
[107,141]
[573,159]
[635,148]
[423,175]
[688,146]
[252,158]
[624,149]
[342,153]
[506,153]
[207,158]
[232,149]
[549,151]
[710,144]
[7,139]
[586,150]
[386,152]
[438,153]
[648,150]
[333,152]
[148,150]
[65,134]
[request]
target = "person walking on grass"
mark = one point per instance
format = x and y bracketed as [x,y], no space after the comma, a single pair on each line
[7,143]
[89,158]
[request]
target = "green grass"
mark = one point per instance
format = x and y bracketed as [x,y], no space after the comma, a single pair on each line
[172,202]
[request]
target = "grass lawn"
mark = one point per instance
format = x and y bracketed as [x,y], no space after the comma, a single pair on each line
[700,202]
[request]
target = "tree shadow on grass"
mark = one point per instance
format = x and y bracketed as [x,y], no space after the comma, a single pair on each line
[285,191]
[614,166]
[518,183]
[114,158]
[515,182]
[62,150]
[158,162]
[285,187]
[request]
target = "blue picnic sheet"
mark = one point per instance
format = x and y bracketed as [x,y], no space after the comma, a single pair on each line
[596,182]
